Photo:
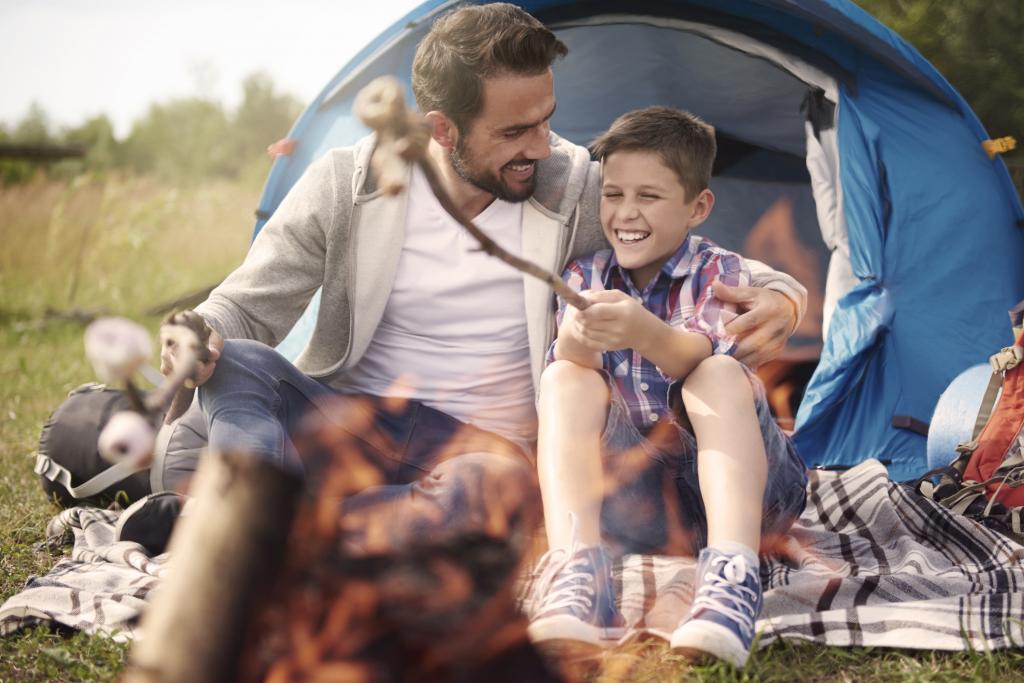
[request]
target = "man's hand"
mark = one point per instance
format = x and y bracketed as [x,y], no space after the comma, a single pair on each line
[767,320]
[170,352]
[614,320]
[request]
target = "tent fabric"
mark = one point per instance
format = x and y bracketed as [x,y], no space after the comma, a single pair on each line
[920,225]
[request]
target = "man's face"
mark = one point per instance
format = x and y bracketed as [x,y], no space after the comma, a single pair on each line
[498,151]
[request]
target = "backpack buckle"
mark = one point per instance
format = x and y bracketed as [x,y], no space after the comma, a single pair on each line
[1007,359]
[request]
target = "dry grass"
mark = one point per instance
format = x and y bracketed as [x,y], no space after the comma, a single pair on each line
[119,244]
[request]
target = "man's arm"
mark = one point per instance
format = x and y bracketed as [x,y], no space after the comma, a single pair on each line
[770,308]
[264,296]
[763,275]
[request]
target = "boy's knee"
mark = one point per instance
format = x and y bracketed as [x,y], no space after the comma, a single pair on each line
[564,376]
[720,374]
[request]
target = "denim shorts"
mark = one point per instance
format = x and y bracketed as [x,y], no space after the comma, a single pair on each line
[653,502]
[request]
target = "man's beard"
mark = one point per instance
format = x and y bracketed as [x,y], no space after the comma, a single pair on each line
[491,183]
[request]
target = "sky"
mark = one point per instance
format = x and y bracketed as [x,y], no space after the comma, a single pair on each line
[81,58]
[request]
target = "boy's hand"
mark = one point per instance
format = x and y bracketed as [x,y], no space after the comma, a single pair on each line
[767,320]
[613,321]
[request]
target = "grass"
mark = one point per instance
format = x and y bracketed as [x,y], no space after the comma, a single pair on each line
[121,245]
[115,245]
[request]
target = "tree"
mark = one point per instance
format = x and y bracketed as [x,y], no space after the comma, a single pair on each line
[97,137]
[264,116]
[975,44]
[33,129]
[183,139]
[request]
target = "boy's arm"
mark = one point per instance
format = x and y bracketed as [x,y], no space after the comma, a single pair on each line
[568,344]
[678,345]
[617,321]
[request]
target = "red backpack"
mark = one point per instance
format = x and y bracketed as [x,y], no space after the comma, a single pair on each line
[996,458]
[986,480]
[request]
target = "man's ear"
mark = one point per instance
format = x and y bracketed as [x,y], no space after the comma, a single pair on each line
[442,129]
[702,207]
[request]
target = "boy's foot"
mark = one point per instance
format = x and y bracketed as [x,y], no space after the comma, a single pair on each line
[726,604]
[577,614]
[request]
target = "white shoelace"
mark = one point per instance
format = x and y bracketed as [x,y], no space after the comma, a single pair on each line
[718,593]
[564,586]
[561,583]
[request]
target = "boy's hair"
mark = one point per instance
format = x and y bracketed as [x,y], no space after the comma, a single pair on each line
[474,43]
[684,141]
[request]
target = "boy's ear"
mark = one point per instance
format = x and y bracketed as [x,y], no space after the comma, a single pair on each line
[702,207]
[442,129]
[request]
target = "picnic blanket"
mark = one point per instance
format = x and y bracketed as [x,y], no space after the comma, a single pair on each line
[869,563]
[101,588]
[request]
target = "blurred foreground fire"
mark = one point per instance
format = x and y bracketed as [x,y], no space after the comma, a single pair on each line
[349,607]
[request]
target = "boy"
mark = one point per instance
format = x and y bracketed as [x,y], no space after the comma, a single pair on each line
[614,370]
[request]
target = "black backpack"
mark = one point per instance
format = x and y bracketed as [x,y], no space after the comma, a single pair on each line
[68,462]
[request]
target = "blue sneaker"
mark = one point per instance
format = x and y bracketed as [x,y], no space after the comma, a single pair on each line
[577,605]
[726,605]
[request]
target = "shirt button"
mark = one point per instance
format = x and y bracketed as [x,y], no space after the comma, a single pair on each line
[644,386]
[654,417]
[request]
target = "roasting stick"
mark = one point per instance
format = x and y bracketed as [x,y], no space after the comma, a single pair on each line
[402,137]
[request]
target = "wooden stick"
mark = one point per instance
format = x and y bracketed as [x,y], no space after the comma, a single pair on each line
[188,332]
[402,137]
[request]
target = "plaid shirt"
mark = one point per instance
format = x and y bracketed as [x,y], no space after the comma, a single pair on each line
[681,295]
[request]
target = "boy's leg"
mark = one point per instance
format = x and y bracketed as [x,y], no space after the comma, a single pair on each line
[732,472]
[572,408]
[731,462]
[576,613]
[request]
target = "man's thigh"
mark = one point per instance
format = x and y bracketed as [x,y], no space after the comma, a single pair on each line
[387,441]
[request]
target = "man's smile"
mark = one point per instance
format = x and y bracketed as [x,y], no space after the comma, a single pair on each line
[520,169]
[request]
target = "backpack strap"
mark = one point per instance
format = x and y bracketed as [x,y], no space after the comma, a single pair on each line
[1007,359]
[53,471]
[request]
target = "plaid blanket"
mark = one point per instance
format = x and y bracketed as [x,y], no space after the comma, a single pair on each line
[101,588]
[869,563]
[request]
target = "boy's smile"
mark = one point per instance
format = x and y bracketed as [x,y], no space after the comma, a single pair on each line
[645,212]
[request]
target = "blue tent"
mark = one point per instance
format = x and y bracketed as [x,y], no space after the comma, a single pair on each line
[841,148]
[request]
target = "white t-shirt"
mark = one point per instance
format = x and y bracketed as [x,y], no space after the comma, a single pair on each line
[453,334]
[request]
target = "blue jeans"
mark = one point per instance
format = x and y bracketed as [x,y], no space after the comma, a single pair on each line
[402,472]
[656,505]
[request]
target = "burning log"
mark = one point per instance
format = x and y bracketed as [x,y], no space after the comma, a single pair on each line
[441,608]
[225,552]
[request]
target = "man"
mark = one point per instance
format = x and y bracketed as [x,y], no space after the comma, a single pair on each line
[411,310]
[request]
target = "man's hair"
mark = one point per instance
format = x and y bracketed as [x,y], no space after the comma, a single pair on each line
[474,43]
[685,143]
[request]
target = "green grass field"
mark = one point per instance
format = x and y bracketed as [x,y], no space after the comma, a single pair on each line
[121,245]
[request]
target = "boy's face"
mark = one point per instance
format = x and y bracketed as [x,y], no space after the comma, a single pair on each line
[645,212]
